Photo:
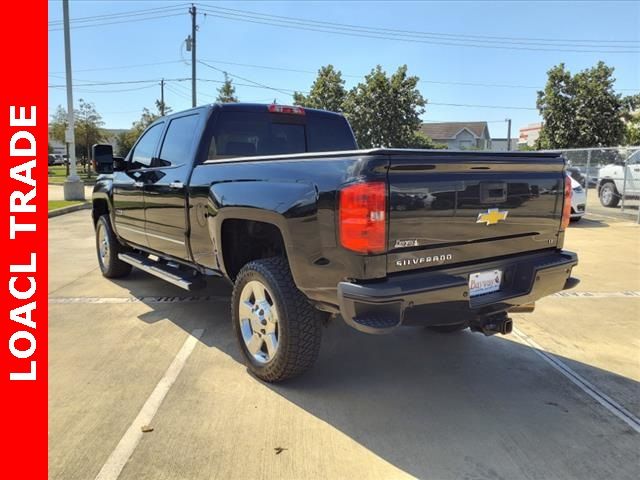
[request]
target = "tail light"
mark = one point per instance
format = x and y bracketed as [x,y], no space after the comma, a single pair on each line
[362,217]
[274,108]
[566,206]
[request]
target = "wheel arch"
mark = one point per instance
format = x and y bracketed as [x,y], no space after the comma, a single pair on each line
[236,234]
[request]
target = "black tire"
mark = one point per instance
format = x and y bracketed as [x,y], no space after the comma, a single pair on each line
[454,327]
[609,196]
[298,327]
[575,219]
[110,265]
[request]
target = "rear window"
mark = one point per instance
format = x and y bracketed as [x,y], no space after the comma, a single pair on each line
[239,134]
[327,133]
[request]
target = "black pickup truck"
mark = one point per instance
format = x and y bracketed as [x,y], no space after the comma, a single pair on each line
[279,201]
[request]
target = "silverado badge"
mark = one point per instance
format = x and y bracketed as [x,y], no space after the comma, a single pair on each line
[492,216]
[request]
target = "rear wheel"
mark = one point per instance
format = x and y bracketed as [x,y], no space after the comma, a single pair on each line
[609,196]
[454,327]
[108,247]
[277,329]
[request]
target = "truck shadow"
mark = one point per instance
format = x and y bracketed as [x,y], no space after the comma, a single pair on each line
[444,406]
[588,223]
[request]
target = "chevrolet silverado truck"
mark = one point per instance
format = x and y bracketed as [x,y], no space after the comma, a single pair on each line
[279,201]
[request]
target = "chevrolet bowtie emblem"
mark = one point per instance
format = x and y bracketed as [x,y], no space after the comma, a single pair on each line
[492,216]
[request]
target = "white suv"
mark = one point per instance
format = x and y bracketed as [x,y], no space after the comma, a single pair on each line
[611,180]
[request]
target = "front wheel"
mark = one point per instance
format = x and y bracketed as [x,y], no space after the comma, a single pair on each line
[108,247]
[277,329]
[609,196]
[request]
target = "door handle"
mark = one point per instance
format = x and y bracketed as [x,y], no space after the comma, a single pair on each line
[138,184]
[176,185]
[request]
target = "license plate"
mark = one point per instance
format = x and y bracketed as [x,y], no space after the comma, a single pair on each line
[481,283]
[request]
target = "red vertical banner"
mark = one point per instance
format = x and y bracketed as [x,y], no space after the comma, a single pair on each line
[23,229]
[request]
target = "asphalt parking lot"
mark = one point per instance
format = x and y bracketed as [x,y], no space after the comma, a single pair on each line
[412,404]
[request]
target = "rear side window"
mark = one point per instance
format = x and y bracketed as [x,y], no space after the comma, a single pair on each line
[176,148]
[146,147]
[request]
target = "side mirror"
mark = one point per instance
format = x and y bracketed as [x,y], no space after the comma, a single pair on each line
[102,158]
[118,164]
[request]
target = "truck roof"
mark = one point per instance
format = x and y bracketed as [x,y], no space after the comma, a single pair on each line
[248,107]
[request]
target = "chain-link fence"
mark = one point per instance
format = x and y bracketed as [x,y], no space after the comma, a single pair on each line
[610,178]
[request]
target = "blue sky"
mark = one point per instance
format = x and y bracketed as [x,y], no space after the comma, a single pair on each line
[152,49]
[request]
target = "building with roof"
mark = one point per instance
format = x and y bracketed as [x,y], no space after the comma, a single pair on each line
[459,135]
[529,134]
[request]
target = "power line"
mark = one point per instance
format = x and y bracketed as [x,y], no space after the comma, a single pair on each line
[245,79]
[124,82]
[503,107]
[85,90]
[120,67]
[175,91]
[119,22]
[107,19]
[130,13]
[346,30]
[233,11]
[314,72]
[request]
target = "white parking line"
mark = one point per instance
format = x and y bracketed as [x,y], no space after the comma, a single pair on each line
[115,463]
[603,399]
[572,294]
[169,299]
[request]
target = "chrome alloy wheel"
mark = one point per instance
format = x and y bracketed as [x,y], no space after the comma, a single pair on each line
[103,246]
[258,316]
[607,193]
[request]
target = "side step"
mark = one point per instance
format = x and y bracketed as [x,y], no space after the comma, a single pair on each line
[167,273]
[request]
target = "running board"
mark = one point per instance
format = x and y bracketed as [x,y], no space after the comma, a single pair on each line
[165,272]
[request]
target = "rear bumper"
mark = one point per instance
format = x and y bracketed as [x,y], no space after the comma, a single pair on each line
[442,297]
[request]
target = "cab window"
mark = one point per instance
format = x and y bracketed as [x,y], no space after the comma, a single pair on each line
[146,147]
[178,141]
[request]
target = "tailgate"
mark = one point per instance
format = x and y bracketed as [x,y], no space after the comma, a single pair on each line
[456,207]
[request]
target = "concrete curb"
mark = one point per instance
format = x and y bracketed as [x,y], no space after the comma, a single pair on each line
[72,208]
[86,184]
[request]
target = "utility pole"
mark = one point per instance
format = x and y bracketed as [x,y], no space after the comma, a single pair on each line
[508,120]
[162,97]
[73,186]
[194,27]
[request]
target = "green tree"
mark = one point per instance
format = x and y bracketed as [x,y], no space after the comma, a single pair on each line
[58,127]
[327,91]
[58,124]
[580,110]
[227,92]
[631,115]
[420,140]
[126,139]
[124,142]
[385,111]
[88,130]
[167,108]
